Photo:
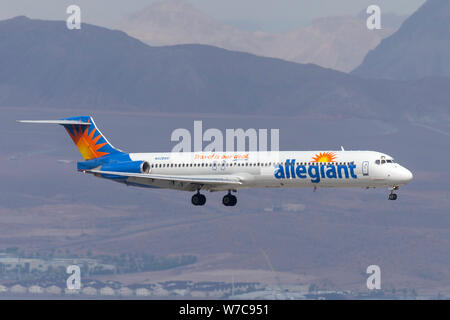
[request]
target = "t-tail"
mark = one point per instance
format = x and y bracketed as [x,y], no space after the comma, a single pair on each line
[91,143]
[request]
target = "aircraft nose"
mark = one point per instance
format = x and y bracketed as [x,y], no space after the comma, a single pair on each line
[407,175]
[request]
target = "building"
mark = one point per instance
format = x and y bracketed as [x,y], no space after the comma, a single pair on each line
[90,291]
[35,290]
[125,292]
[107,291]
[18,289]
[198,294]
[53,290]
[160,291]
[142,292]
[71,291]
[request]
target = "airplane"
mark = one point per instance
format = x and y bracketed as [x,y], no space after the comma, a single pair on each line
[230,171]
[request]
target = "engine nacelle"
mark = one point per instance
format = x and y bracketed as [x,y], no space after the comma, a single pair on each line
[128,166]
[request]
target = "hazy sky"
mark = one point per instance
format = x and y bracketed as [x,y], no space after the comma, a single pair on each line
[267,15]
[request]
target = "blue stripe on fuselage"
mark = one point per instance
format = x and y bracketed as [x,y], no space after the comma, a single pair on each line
[94,163]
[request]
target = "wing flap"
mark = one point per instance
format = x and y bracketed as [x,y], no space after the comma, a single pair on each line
[200,179]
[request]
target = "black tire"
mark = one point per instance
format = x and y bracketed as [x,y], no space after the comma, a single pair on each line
[233,201]
[195,200]
[226,200]
[202,200]
[229,200]
[393,196]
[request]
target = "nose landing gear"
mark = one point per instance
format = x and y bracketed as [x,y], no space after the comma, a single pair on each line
[392,195]
[229,200]
[198,199]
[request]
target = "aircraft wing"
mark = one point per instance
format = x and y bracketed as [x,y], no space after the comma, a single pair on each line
[182,182]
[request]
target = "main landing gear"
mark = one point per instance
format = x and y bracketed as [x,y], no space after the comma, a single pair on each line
[229,200]
[392,195]
[198,199]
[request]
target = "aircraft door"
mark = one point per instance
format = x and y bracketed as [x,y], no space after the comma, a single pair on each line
[365,168]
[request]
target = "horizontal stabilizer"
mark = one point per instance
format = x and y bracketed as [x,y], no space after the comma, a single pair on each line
[62,122]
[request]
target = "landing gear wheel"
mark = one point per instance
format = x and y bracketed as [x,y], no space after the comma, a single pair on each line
[198,199]
[393,196]
[229,200]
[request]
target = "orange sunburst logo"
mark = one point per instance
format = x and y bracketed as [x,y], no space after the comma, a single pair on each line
[324,157]
[86,142]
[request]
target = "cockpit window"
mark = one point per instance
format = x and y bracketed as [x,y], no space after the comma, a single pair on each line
[383,161]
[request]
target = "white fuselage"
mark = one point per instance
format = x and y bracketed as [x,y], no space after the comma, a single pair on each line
[275,169]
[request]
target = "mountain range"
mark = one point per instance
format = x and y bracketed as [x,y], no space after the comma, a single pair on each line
[420,48]
[339,43]
[45,64]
